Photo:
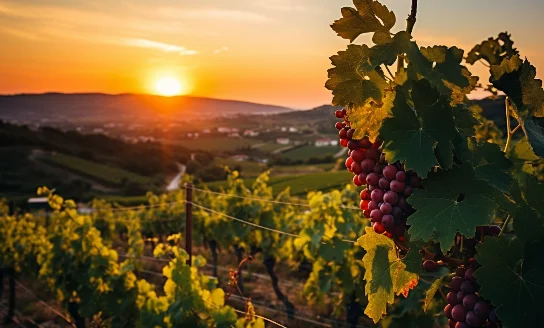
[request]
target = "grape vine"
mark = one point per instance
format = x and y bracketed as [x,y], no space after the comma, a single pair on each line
[439,168]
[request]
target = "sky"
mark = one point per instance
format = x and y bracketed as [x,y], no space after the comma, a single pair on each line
[266,51]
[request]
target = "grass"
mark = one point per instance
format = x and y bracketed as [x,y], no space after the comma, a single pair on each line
[215,144]
[301,169]
[248,168]
[300,184]
[308,151]
[99,172]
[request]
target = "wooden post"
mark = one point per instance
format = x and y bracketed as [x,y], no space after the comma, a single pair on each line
[189,222]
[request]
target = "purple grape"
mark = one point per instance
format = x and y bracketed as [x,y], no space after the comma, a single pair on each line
[493,317]
[377,168]
[462,325]
[456,284]
[408,191]
[451,298]
[396,212]
[367,165]
[350,133]
[474,320]
[468,274]
[362,177]
[372,179]
[447,311]
[372,205]
[415,181]
[458,313]
[460,297]
[391,197]
[388,221]
[431,266]
[357,155]
[469,301]
[467,287]
[374,187]
[397,186]
[460,272]
[343,134]
[389,172]
[482,309]
[384,183]
[373,154]
[353,144]
[400,176]
[377,195]
[376,216]
[386,208]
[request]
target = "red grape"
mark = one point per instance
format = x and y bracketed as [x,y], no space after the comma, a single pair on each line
[372,205]
[344,142]
[462,325]
[354,144]
[386,208]
[384,183]
[339,114]
[372,179]
[377,195]
[365,143]
[339,125]
[356,180]
[390,197]
[350,133]
[387,220]
[357,155]
[362,178]
[343,134]
[364,204]
[397,186]
[365,194]
[389,172]
[378,228]
[356,167]
[430,266]
[344,112]
[458,313]
[367,165]
[376,215]
[373,154]
[447,311]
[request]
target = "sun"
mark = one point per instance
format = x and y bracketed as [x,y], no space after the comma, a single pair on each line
[168,86]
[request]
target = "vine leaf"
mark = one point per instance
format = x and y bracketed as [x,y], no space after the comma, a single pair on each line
[493,50]
[429,295]
[454,201]
[535,135]
[512,278]
[367,16]
[350,83]
[412,136]
[442,67]
[522,155]
[528,224]
[385,274]
[367,119]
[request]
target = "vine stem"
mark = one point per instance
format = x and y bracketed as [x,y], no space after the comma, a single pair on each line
[410,23]
[509,138]
[505,224]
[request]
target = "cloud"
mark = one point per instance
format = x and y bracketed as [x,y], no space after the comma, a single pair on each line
[166,47]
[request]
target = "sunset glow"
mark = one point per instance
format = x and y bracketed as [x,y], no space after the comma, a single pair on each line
[168,86]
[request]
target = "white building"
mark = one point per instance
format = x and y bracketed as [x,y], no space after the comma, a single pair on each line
[282,141]
[326,142]
[250,133]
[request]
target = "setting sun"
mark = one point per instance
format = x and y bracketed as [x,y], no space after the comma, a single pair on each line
[168,86]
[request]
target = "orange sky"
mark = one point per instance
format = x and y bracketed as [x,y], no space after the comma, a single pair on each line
[269,51]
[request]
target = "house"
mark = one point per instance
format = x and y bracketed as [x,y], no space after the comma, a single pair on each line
[239,158]
[282,141]
[292,129]
[222,129]
[325,142]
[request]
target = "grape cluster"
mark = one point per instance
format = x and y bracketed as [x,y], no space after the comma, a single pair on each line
[388,185]
[465,307]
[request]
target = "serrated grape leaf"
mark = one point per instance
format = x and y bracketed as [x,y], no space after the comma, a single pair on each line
[454,201]
[350,83]
[385,274]
[512,278]
[532,193]
[522,155]
[386,51]
[413,258]
[367,119]
[493,50]
[488,160]
[442,67]
[412,135]
[535,135]
[465,120]
[517,80]
[334,252]
[367,16]
[528,224]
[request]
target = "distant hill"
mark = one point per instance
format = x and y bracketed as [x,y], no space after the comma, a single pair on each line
[91,106]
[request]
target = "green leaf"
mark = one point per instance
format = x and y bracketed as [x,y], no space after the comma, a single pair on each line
[334,252]
[517,80]
[367,16]
[429,296]
[493,50]
[385,274]
[412,135]
[413,258]
[535,135]
[523,156]
[465,121]
[528,224]
[442,67]
[454,201]
[512,278]
[353,83]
